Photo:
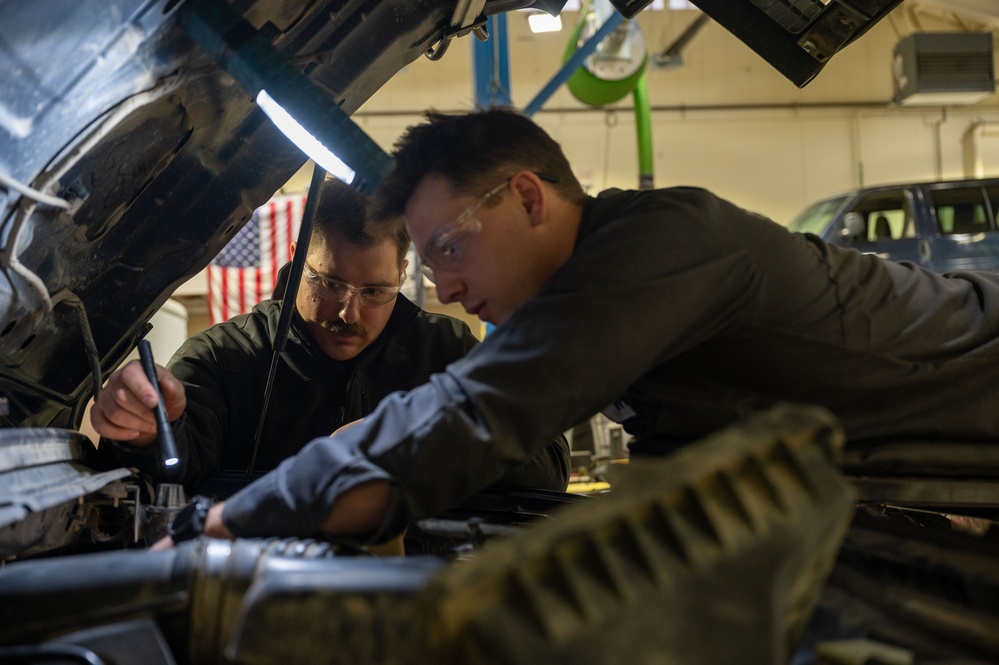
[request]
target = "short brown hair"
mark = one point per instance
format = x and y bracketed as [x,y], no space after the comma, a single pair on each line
[343,210]
[473,151]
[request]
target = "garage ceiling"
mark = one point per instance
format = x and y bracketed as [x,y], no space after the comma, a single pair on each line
[981,10]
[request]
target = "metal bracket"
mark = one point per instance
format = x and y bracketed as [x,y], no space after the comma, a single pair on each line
[833,29]
[466,19]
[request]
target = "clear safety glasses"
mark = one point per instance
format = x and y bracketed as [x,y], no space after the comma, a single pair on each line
[333,289]
[445,249]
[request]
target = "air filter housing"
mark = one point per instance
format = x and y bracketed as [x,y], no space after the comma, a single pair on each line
[944,68]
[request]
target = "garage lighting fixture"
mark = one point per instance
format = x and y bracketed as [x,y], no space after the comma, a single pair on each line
[544,22]
[304,112]
[305,141]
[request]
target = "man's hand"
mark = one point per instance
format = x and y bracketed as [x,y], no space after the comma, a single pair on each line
[357,513]
[124,409]
[214,528]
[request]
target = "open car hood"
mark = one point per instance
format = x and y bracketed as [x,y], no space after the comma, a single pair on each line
[161,157]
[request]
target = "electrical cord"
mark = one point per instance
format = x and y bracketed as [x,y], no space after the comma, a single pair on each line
[32,193]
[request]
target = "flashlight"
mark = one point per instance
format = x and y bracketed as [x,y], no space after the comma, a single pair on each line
[164,433]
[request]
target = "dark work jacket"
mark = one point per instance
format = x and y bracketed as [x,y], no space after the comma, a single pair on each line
[224,368]
[691,313]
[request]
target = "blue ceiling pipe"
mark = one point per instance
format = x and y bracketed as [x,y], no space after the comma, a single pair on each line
[491,60]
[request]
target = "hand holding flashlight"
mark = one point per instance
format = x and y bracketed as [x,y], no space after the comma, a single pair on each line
[164,433]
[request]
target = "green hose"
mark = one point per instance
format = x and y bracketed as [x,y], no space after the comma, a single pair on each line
[584,85]
[597,92]
[643,127]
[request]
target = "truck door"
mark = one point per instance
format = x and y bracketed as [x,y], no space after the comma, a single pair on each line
[884,224]
[965,236]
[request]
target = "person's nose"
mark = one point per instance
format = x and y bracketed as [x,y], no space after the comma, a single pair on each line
[450,288]
[350,308]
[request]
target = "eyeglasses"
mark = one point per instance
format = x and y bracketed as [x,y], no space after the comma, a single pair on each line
[333,289]
[445,249]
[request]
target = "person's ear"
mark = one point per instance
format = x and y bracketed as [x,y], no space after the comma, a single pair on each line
[405,266]
[533,195]
[293,246]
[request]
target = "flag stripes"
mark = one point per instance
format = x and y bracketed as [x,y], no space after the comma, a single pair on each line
[245,271]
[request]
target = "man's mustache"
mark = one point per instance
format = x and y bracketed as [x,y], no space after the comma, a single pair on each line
[341,327]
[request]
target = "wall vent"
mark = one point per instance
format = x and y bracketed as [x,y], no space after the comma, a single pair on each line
[944,68]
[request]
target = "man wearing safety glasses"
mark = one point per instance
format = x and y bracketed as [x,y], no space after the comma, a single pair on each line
[354,339]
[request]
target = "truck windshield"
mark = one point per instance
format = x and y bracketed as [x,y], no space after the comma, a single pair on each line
[815,217]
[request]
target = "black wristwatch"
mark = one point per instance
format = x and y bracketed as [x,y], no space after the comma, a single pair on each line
[190,521]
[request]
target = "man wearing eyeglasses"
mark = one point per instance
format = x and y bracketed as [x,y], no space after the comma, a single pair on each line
[354,339]
[672,310]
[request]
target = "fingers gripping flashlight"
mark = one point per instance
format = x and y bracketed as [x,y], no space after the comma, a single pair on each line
[164,433]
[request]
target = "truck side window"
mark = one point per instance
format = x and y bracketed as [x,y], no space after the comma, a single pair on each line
[887,214]
[965,209]
[992,198]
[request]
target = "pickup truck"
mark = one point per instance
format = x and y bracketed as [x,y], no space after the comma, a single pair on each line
[943,226]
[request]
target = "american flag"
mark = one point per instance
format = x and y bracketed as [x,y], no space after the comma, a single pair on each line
[246,269]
